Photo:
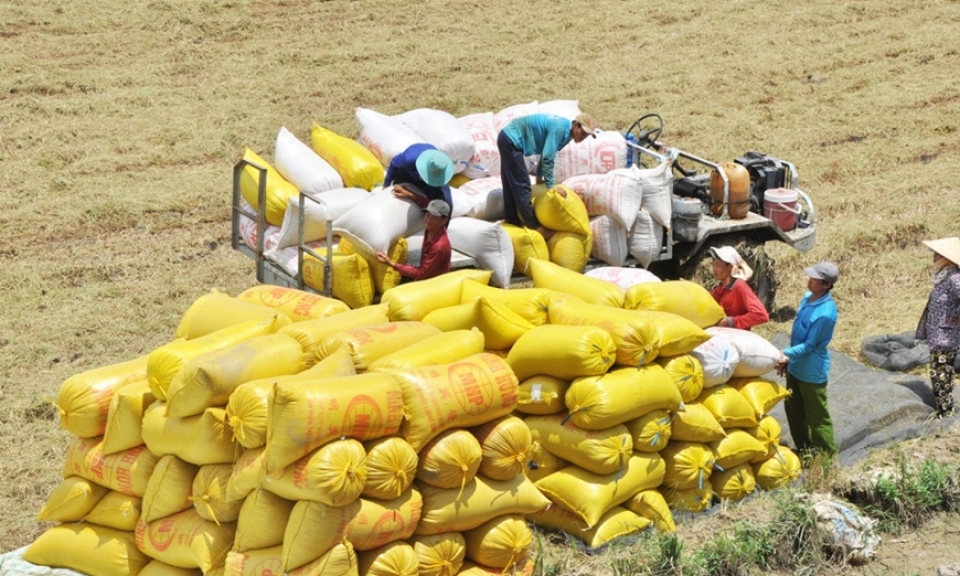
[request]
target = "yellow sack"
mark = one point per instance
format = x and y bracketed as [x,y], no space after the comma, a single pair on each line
[215,310]
[506,445]
[472,569]
[761,394]
[687,374]
[603,451]
[590,495]
[768,432]
[83,400]
[565,352]
[440,554]
[315,528]
[209,379]
[74,498]
[299,305]
[370,343]
[305,415]
[617,522]
[248,470]
[542,394]
[248,407]
[125,417]
[186,540]
[531,303]
[341,560]
[677,334]
[691,499]
[636,338]
[651,432]
[88,549]
[116,510]
[358,167]
[127,471]
[169,489]
[546,274]
[651,505]
[262,521]
[527,245]
[681,297]
[688,465]
[414,300]
[444,348]
[695,423]
[569,250]
[254,562]
[333,474]
[450,460]
[729,407]
[501,327]
[209,495]
[351,278]
[598,402]
[201,439]
[466,393]
[391,468]
[739,447]
[778,471]
[393,559]
[734,483]
[560,209]
[311,333]
[279,191]
[158,568]
[164,362]
[384,277]
[542,463]
[503,542]
[446,510]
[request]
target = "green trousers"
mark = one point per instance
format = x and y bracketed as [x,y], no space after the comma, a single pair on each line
[808,416]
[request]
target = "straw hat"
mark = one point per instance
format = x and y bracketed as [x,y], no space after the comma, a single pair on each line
[949,248]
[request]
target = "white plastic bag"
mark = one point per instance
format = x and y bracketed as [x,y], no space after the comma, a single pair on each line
[657,184]
[484,198]
[719,358]
[609,240]
[850,533]
[376,223]
[757,355]
[485,242]
[646,239]
[303,167]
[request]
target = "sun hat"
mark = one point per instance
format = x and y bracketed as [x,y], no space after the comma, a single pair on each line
[730,255]
[588,123]
[438,208]
[435,167]
[949,248]
[826,271]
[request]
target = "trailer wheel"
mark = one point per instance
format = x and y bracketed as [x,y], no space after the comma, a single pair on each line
[764,281]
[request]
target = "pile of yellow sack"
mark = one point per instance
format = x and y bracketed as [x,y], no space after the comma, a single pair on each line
[281,431]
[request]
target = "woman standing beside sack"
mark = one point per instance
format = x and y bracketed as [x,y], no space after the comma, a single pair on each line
[940,323]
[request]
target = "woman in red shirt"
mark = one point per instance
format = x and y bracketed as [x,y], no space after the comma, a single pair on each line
[744,310]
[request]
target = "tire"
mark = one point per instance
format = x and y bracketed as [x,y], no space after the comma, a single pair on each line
[764,281]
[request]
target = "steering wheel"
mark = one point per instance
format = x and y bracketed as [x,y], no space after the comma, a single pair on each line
[644,137]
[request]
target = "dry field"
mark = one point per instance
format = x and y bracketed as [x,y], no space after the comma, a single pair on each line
[120,123]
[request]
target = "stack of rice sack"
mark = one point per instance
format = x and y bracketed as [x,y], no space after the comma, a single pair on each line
[283,432]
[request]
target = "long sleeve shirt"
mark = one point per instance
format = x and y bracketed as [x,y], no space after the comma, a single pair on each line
[542,134]
[940,324]
[434,258]
[740,304]
[403,170]
[811,333]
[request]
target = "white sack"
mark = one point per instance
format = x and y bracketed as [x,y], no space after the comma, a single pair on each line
[568,109]
[719,358]
[622,277]
[303,167]
[485,160]
[646,239]
[616,193]
[380,220]
[444,131]
[503,117]
[483,198]
[487,243]
[338,202]
[657,198]
[609,240]
[384,136]
[757,355]
[606,152]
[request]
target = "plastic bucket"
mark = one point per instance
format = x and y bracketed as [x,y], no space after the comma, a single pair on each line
[686,218]
[780,206]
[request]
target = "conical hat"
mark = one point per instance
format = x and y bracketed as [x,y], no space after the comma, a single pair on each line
[949,248]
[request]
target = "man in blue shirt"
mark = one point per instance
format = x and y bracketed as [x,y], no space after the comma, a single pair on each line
[423,168]
[542,134]
[806,363]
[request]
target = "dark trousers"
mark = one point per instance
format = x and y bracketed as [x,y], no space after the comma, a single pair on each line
[810,424]
[517,200]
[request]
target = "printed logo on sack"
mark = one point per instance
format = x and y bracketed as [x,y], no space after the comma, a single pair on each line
[276,296]
[362,419]
[160,533]
[473,387]
[267,567]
